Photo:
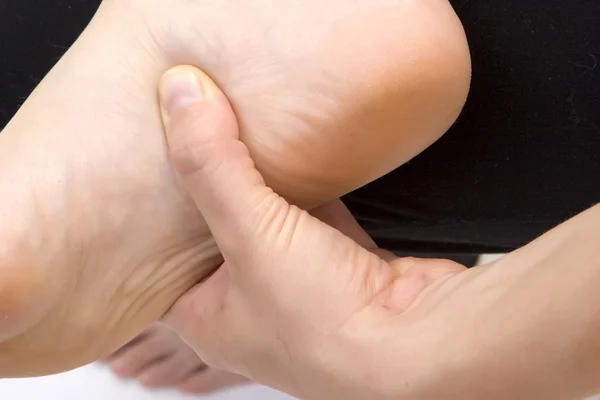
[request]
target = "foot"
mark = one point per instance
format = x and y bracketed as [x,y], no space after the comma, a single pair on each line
[159,359]
[98,237]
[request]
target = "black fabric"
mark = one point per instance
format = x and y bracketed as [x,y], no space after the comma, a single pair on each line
[34,34]
[524,156]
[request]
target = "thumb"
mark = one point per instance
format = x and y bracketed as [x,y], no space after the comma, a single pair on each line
[203,138]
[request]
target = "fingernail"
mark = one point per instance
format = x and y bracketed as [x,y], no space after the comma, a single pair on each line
[179,88]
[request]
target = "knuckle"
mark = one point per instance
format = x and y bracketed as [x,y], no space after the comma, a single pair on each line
[195,138]
[191,155]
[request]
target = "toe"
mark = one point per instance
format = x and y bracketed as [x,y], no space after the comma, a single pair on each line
[135,357]
[210,380]
[138,340]
[170,371]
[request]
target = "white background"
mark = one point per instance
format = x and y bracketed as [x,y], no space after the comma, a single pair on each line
[96,382]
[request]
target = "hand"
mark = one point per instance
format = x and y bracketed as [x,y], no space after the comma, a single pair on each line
[299,306]
[293,287]
[98,237]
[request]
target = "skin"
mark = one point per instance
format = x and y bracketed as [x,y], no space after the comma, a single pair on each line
[158,358]
[307,304]
[99,236]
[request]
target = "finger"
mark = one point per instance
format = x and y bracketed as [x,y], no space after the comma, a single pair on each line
[203,138]
[337,215]
[211,380]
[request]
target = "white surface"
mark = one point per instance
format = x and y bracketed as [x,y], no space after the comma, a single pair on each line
[95,382]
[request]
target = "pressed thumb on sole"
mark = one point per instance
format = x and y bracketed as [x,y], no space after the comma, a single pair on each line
[203,138]
[195,112]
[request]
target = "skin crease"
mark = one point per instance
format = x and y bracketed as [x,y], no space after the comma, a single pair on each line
[524,327]
[98,235]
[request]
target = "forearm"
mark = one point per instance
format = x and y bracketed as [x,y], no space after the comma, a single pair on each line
[532,321]
[559,305]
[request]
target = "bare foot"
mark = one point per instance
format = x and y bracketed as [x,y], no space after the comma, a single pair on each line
[98,237]
[159,359]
